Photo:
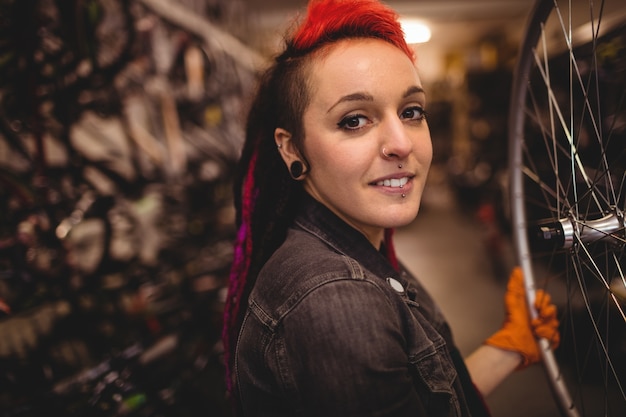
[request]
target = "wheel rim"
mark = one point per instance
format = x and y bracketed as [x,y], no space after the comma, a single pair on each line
[568,160]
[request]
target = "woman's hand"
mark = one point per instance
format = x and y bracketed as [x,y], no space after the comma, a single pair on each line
[515,345]
[519,332]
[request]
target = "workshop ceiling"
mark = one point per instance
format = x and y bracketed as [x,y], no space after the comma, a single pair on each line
[454,23]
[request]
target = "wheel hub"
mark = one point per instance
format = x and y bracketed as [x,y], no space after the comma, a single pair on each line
[567,232]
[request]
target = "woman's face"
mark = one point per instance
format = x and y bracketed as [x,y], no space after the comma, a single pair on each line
[366,98]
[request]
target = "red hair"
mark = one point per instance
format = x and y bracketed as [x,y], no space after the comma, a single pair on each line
[350,18]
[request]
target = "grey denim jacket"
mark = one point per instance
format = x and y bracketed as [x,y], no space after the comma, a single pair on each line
[332,329]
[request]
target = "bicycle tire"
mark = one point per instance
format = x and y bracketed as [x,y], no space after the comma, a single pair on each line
[567,163]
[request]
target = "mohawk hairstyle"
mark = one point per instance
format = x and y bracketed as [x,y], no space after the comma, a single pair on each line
[266,197]
[330,20]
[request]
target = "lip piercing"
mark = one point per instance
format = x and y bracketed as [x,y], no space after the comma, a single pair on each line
[403,195]
[399,165]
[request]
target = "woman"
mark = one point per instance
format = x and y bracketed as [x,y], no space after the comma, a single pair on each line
[321,319]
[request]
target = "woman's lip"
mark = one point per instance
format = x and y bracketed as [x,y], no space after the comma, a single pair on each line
[401,185]
[396,177]
[393,182]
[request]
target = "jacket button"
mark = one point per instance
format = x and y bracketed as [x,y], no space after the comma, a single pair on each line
[395,284]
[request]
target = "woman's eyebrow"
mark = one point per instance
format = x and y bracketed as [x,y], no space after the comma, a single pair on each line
[352,97]
[414,89]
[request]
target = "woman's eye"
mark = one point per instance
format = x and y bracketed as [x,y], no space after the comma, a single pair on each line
[414,113]
[353,122]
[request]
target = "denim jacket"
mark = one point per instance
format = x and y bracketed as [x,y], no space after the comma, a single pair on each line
[332,329]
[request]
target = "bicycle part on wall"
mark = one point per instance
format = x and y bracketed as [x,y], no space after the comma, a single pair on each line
[120,123]
[568,170]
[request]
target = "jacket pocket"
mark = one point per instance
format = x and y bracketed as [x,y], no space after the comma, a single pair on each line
[435,377]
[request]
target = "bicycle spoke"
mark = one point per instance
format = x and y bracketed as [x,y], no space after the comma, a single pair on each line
[568,184]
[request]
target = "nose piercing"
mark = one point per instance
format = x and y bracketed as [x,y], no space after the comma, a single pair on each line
[386,155]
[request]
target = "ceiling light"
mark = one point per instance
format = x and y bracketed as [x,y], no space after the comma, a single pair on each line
[415,31]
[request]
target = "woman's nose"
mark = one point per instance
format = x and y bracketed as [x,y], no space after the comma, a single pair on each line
[396,140]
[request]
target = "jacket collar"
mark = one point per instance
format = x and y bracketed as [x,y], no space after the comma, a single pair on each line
[320,221]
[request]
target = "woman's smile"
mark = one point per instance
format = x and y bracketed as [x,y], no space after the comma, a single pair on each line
[393,182]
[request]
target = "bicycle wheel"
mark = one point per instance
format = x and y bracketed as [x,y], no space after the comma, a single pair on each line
[567,156]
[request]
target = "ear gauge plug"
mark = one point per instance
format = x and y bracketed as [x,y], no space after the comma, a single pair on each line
[296,169]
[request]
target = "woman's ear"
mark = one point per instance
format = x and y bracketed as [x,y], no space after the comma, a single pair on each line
[290,154]
[287,149]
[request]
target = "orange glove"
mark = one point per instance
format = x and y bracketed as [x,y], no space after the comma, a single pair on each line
[519,333]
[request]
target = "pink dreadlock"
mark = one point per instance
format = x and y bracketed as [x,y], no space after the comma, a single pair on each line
[265,195]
